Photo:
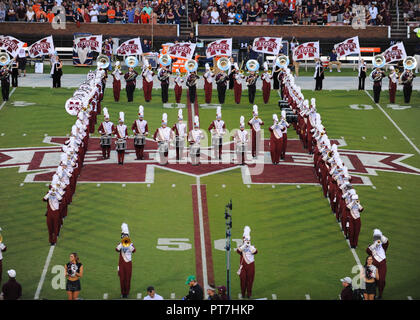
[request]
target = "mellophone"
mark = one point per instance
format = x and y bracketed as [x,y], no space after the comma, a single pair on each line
[105,140]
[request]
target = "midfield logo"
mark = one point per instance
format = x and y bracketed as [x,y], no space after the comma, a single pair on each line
[40,163]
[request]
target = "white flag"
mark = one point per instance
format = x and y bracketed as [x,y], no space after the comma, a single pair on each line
[306,51]
[349,46]
[267,45]
[395,53]
[130,47]
[11,45]
[184,50]
[42,47]
[222,47]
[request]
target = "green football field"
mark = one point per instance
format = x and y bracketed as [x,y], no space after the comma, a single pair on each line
[301,250]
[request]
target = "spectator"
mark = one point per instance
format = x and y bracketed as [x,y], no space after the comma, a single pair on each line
[137,16]
[211,292]
[152,295]
[130,14]
[222,293]
[306,17]
[146,46]
[119,15]
[191,38]
[333,60]
[111,14]
[11,290]
[30,15]
[11,14]
[224,16]
[205,17]
[85,13]
[231,16]
[238,17]
[177,15]
[195,292]
[50,16]
[347,16]
[162,16]
[193,18]
[335,10]
[215,16]
[103,14]
[41,16]
[341,10]
[373,12]
[170,17]
[21,12]
[2,12]
[94,15]
[145,18]
[347,292]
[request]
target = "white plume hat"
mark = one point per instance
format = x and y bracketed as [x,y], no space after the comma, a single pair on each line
[196,121]
[242,121]
[165,118]
[180,117]
[283,114]
[121,116]
[255,109]
[313,102]
[207,66]
[275,118]
[124,229]
[236,66]
[265,65]
[63,157]
[219,112]
[247,233]
[377,232]
[106,114]
[141,111]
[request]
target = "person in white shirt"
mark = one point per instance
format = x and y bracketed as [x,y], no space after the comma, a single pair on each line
[373,13]
[152,295]
[215,17]
[94,13]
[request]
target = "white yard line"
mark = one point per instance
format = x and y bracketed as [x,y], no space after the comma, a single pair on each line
[356,257]
[44,273]
[395,125]
[202,240]
[4,102]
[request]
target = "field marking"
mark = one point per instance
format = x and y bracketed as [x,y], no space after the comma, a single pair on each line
[307,297]
[172,295]
[395,125]
[356,257]
[4,102]
[202,240]
[44,273]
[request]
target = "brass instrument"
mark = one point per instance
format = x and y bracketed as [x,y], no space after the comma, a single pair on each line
[191,65]
[223,64]
[191,80]
[131,76]
[126,241]
[163,77]
[149,67]
[4,59]
[211,69]
[252,65]
[269,71]
[378,61]
[378,75]
[131,61]
[410,63]
[407,80]
[282,61]
[1,238]
[241,71]
[165,60]
[102,61]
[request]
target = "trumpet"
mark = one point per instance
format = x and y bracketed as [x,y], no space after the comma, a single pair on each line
[126,241]
[211,69]
[241,71]
[269,71]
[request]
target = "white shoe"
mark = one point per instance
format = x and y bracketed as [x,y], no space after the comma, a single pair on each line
[330,70]
[339,70]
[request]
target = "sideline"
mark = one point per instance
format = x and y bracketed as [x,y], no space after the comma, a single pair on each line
[44,273]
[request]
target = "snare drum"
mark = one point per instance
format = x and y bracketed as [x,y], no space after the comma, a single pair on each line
[121,145]
[163,146]
[217,141]
[179,142]
[105,140]
[139,140]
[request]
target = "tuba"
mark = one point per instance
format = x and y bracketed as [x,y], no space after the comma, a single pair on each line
[4,59]
[410,63]
[378,61]
[223,64]
[252,65]
[282,61]
[102,61]
[191,65]
[165,60]
[131,61]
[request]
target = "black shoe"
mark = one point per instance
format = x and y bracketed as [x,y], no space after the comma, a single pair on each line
[52,243]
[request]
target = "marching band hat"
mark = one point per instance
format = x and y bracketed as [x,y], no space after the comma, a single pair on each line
[190,278]
[242,121]
[141,111]
[391,68]
[283,114]
[236,66]
[346,280]
[106,114]
[63,157]
[180,117]
[11,273]
[275,118]
[247,233]
[265,66]
[219,112]
[377,232]
[124,229]
[164,118]
[355,197]
[121,116]
[196,122]
[117,63]
[255,110]
[207,66]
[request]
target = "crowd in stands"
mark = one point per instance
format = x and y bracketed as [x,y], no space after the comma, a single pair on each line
[297,12]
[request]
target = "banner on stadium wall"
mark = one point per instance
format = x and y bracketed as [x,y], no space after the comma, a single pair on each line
[222,47]
[267,45]
[395,53]
[348,46]
[84,47]
[42,47]
[306,51]
[183,50]
[11,45]
[130,47]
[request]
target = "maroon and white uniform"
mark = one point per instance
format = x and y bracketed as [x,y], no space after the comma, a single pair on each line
[125,266]
[266,86]
[241,138]
[217,129]
[393,81]
[140,127]
[3,248]
[378,252]
[180,129]
[179,80]
[208,84]
[276,140]
[164,135]
[120,132]
[53,215]
[116,84]
[106,128]
[355,223]
[247,268]
[237,86]
[147,83]
[255,123]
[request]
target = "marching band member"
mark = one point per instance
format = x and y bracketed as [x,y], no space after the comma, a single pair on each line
[393,80]
[105,130]
[5,82]
[348,193]
[208,83]
[284,125]
[15,72]
[53,214]
[241,141]
[194,138]
[281,79]
[362,74]
[192,86]
[266,83]
[141,130]
[276,140]
[319,74]
[221,82]
[116,84]
[251,81]
[147,75]
[121,134]
[179,80]
[255,123]
[163,77]
[130,79]
[377,76]
[354,220]
[217,129]
[164,135]
[246,270]
[407,78]
[230,74]
[125,264]
[180,129]
[378,251]
[310,124]
[277,79]
[3,248]
[237,86]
